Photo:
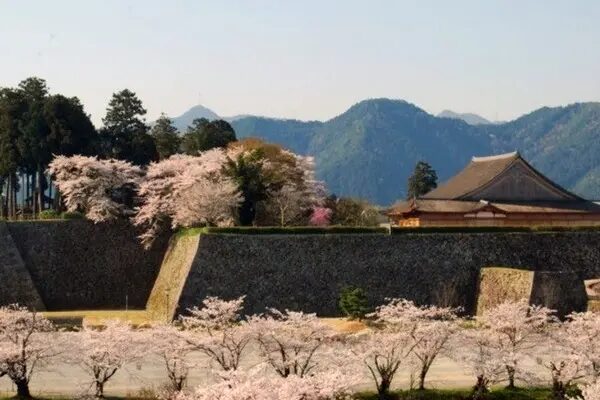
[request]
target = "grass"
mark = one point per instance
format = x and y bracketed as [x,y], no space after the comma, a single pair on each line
[463,394]
[344,325]
[141,317]
[95,317]
[283,230]
[429,394]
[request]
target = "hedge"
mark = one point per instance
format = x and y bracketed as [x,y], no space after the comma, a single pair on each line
[312,230]
[285,230]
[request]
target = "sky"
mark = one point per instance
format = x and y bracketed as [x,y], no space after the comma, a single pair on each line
[307,59]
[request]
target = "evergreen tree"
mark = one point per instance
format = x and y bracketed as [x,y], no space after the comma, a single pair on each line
[165,137]
[12,106]
[204,135]
[353,302]
[70,130]
[247,172]
[423,180]
[33,138]
[125,133]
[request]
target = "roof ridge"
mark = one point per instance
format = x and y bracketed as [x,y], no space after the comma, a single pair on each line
[513,154]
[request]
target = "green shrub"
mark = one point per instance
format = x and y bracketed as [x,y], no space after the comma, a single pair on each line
[290,230]
[72,215]
[353,302]
[49,214]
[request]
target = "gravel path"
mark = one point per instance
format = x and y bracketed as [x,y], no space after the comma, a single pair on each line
[64,379]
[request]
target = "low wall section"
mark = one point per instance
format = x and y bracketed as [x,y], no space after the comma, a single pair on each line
[78,265]
[307,272]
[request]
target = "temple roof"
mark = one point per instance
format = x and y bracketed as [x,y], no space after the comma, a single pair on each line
[504,183]
[483,171]
[464,206]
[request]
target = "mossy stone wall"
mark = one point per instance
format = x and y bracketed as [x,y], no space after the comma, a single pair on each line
[307,272]
[79,265]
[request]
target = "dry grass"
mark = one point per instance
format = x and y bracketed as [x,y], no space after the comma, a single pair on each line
[344,325]
[141,317]
[95,317]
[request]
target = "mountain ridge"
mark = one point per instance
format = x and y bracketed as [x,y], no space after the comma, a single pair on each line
[370,149]
[469,118]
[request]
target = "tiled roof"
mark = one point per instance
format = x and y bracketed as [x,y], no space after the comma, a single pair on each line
[460,206]
[477,173]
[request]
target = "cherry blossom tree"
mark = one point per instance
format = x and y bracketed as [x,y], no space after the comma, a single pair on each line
[582,335]
[216,330]
[184,191]
[26,343]
[290,342]
[102,352]
[300,191]
[383,352]
[95,186]
[590,391]
[430,328]
[564,365]
[518,328]
[174,349]
[476,349]
[321,216]
[327,385]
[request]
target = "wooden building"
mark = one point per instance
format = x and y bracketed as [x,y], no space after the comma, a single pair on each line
[500,190]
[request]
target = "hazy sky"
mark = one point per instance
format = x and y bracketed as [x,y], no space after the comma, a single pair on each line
[307,59]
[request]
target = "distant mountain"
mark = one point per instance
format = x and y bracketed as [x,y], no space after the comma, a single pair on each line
[184,120]
[370,150]
[469,118]
[563,142]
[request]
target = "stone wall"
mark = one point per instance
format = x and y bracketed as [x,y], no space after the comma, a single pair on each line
[308,271]
[80,265]
[16,285]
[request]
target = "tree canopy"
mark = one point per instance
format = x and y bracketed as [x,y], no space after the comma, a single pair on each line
[423,180]
[205,135]
[165,137]
[125,133]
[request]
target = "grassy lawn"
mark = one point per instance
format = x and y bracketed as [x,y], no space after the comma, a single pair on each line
[464,394]
[95,317]
[140,317]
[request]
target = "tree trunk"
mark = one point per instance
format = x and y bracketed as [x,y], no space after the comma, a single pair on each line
[23,187]
[11,195]
[480,388]
[422,376]
[511,377]
[99,389]
[40,185]
[28,190]
[559,392]
[23,389]
[384,389]
[2,197]
[51,204]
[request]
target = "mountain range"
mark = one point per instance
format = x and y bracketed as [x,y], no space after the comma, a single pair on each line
[370,150]
[469,118]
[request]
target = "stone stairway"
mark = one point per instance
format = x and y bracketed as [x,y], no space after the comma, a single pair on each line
[16,285]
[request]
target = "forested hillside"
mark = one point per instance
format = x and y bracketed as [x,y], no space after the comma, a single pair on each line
[369,150]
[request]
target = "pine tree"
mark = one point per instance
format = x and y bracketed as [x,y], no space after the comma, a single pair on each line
[423,180]
[166,137]
[125,133]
